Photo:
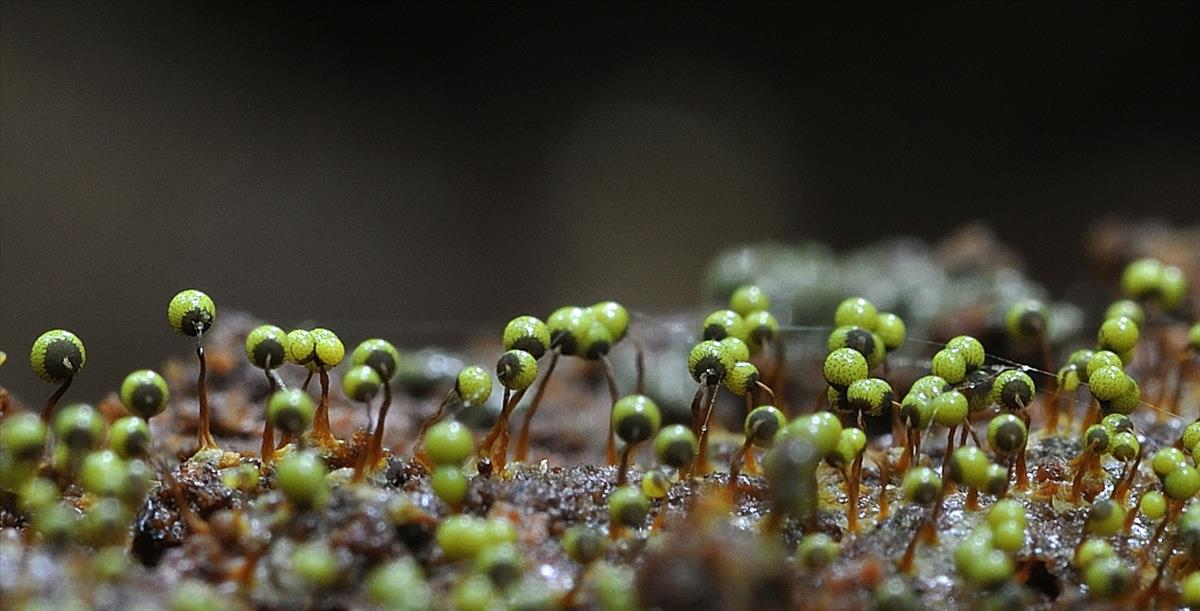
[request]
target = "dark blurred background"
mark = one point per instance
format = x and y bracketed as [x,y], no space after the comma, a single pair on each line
[410,171]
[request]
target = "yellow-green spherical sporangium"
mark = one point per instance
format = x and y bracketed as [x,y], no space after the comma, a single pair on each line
[635,418]
[57,355]
[361,383]
[191,312]
[329,348]
[144,393]
[527,333]
[749,298]
[378,354]
[856,311]
[709,361]
[844,366]
[721,324]
[473,385]
[301,347]
[516,369]
[613,316]
[266,346]
[742,378]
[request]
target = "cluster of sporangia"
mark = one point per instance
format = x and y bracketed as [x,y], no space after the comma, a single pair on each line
[962,387]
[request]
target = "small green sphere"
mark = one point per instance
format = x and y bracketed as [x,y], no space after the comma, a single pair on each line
[1194,338]
[290,411]
[450,484]
[1008,536]
[1173,288]
[1091,551]
[584,544]
[760,327]
[762,424]
[399,586]
[709,361]
[1182,483]
[871,396]
[1124,446]
[1100,359]
[516,369]
[1026,320]
[749,298]
[129,437]
[1097,438]
[635,418]
[144,393]
[989,570]
[627,506]
[949,365]
[378,354]
[1142,279]
[1068,378]
[567,326]
[1007,434]
[1005,511]
[361,383]
[613,316]
[930,386]
[1167,460]
[37,494]
[891,329]
[1153,505]
[301,478]
[968,465]
[1108,383]
[191,312]
[103,473]
[722,324]
[675,446]
[1189,592]
[316,564]
[856,311]
[655,485]
[850,444]
[79,427]
[473,385]
[1118,334]
[328,347]
[22,436]
[57,355]
[301,347]
[1117,423]
[462,536]
[921,485]
[950,408]
[738,350]
[475,593]
[916,410]
[1127,401]
[595,342]
[1107,578]
[821,429]
[527,333]
[1013,389]
[1126,308]
[865,342]
[817,551]
[970,349]
[1106,518]
[742,379]
[1191,435]
[448,443]
[266,347]
[997,480]
[843,367]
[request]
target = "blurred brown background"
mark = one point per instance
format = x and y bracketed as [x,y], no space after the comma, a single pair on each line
[400,170]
